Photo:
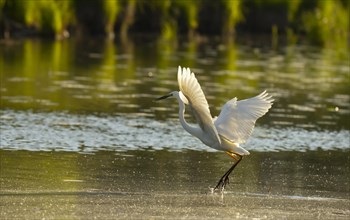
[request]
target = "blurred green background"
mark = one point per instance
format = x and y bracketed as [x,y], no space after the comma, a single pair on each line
[321,22]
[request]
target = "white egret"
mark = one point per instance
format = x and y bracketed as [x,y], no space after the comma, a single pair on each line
[226,132]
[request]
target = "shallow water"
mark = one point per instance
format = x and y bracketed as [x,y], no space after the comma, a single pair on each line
[81,136]
[165,184]
[38,131]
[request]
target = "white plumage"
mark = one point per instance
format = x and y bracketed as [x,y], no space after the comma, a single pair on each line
[236,120]
[196,100]
[226,132]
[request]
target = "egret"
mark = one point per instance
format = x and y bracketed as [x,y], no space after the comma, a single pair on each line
[225,132]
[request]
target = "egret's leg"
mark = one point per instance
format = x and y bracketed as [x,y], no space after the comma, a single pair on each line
[224,180]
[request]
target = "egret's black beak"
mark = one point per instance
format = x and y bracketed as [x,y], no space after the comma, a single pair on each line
[163,97]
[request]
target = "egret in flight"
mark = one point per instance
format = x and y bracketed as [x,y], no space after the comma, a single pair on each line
[225,132]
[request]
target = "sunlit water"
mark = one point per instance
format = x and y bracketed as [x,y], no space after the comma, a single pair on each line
[80,130]
[89,133]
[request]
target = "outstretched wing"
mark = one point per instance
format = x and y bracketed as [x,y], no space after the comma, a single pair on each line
[190,87]
[237,119]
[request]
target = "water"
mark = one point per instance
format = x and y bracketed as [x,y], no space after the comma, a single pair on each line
[166,184]
[82,138]
[37,131]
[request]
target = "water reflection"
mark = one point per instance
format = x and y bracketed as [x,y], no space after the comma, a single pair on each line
[97,76]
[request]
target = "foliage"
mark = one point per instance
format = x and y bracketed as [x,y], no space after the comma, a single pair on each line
[49,17]
[190,9]
[234,15]
[328,23]
[323,22]
[111,10]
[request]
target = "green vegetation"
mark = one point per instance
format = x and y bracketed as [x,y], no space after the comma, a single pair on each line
[328,23]
[45,16]
[234,15]
[111,9]
[190,11]
[323,22]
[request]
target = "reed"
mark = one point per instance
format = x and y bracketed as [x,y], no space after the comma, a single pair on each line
[111,10]
[328,23]
[189,11]
[323,22]
[233,15]
[49,17]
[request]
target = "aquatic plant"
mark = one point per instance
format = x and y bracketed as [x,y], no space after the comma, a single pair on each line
[50,20]
[129,18]
[274,36]
[49,17]
[328,23]
[190,12]
[292,9]
[233,15]
[168,23]
[110,10]
[322,22]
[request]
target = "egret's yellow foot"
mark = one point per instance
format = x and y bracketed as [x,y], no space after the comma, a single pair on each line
[235,156]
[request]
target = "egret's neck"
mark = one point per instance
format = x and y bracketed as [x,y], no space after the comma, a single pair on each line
[190,129]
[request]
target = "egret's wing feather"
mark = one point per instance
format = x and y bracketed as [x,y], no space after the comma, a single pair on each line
[237,119]
[190,87]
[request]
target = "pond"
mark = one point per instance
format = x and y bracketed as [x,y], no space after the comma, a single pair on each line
[81,136]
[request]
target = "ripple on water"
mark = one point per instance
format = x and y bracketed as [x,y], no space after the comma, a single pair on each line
[25,130]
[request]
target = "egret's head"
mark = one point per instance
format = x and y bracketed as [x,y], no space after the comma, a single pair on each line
[164,96]
[178,95]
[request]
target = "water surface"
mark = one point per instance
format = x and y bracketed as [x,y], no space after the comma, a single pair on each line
[81,136]
[164,184]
